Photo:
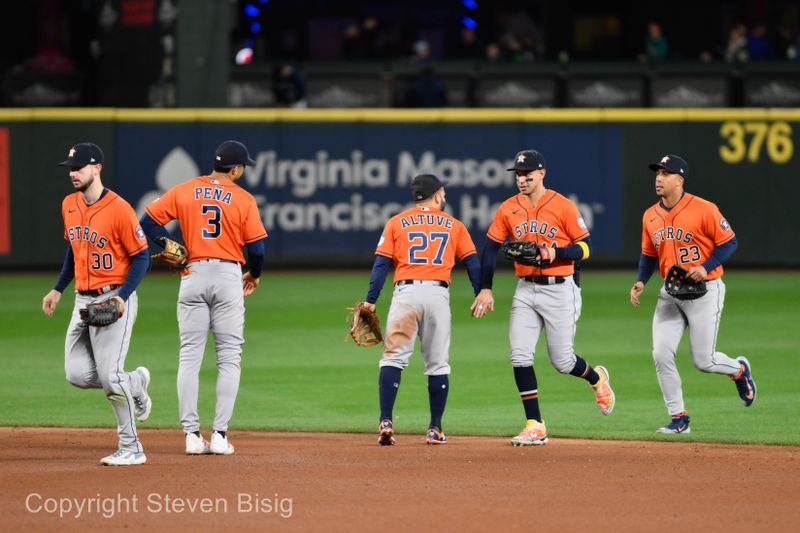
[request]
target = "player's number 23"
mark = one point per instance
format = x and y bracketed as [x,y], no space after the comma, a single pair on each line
[746,139]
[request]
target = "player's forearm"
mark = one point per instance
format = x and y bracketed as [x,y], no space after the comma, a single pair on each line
[380,269]
[153,230]
[474,272]
[67,271]
[580,251]
[488,263]
[720,255]
[647,265]
[255,258]
[136,272]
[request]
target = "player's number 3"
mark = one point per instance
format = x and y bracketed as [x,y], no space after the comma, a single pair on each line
[778,137]
[213,227]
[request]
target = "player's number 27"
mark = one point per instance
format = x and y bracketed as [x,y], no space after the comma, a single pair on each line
[746,139]
[419,244]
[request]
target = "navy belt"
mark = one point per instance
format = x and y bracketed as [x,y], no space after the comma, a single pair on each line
[545,280]
[215,261]
[99,292]
[423,282]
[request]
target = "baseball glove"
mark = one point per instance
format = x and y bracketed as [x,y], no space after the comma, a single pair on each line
[174,254]
[100,313]
[527,253]
[365,327]
[679,286]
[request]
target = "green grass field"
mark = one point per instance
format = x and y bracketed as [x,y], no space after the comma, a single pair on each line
[299,374]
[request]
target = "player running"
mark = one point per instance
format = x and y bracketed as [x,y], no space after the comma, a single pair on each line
[546,297]
[685,230]
[423,243]
[217,219]
[107,255]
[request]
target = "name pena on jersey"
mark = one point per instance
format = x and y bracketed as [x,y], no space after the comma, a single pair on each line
[84,233]
[533,226]
[671,234]
[430,220]
[212,193]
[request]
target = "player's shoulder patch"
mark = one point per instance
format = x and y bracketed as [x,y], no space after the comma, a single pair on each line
[380,241]
[140,233]
[724,224]
[582,223]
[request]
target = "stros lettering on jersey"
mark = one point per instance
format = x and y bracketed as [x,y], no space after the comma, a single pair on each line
[424,242]
[217,217]
[553,221]
[103,237]
[686,235]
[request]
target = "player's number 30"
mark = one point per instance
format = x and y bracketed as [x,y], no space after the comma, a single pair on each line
[746,139]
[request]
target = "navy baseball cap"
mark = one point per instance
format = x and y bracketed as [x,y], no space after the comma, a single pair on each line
[672,163]
[425,185]
[83,154]
[528,160]
[232,154]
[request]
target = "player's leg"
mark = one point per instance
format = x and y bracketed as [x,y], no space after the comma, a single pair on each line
[560,308]
[402,324]
[704,315]
[193,324]
[669,323]
[525,326]
[110,345]
[434,337]
[227,324]
[79,365]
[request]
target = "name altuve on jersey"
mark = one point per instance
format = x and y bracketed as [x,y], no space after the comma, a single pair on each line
[430,220]
[671,233]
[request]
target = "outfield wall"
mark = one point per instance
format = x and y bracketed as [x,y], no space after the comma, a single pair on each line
[327,180]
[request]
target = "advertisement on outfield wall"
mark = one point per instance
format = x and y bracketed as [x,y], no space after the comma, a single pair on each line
[331,188]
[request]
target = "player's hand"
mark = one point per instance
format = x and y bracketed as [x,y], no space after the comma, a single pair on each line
[368,306]
[121,305]
[249,283]
[50,301]
[697,273]
[484,303]
[636,290]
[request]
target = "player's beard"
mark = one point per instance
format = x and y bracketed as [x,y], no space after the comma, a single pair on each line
[82,187]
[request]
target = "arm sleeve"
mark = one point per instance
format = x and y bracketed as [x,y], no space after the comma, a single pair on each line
[473,271]
[67,270]
[720,254]
[488,263]
[255,257]
[153,230]
[575,252]
[136,272]
[380,269]
[647,265]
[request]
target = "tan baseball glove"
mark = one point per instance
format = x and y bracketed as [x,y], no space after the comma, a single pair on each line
[174,254]
[365,327]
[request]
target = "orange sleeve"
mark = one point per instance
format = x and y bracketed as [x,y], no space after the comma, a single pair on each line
[498,231]
[130,232]
[648,248]
[165,208]
[573,222]
[717,226]
[464,245]
[386,242]
[253,226]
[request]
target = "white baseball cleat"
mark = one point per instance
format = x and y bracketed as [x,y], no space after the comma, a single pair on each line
[220,444]
[143,404]
[124,458]
[196,445]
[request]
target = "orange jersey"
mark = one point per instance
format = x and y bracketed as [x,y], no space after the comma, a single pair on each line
[217,217]
[423,242]
[103,237]
[686,235]
[553,221]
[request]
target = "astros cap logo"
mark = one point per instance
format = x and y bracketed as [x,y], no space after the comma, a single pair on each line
[71,152]
[665,159]
[521,158]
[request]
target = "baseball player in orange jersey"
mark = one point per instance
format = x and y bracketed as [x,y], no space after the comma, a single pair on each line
[685,230]
[423,243]
[546,297]
[218,218]
[107,255]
